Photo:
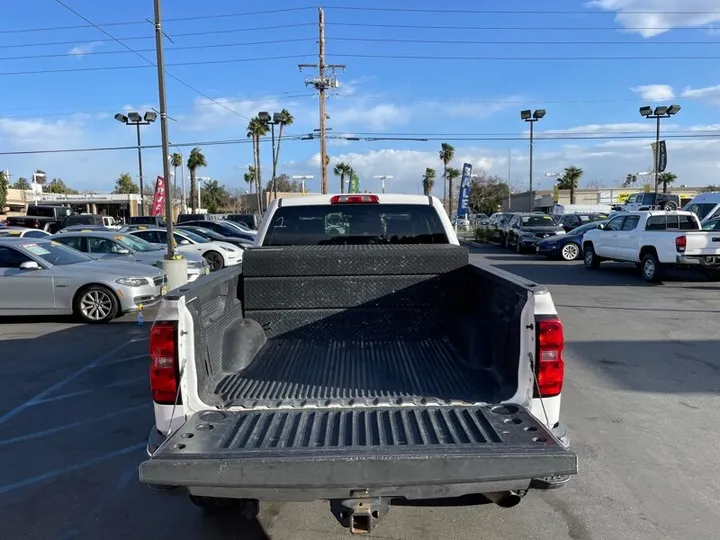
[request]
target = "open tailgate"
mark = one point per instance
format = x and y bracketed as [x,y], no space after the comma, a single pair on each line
[322,450]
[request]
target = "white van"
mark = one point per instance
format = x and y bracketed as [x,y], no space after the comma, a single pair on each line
[562,209]
[705,205]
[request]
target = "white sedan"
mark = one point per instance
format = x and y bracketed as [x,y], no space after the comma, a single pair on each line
[217,254]
[22,232]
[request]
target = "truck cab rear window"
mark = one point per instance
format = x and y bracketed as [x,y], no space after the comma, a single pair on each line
[671,222]
[349,224]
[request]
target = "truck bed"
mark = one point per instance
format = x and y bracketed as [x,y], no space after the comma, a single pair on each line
[321,326]
[291,371]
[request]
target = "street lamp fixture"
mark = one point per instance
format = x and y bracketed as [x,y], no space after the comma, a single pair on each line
[383,177]
[134,119]
[272,121]
[658,113]
[528,115]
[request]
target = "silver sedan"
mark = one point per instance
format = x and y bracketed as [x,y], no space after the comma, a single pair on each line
[43,277]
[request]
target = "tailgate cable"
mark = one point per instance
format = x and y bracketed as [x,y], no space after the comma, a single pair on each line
[537,387]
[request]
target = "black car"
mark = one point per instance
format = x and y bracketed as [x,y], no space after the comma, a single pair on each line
[222,227]
[496,226]
[566,246]
[214,236]
[571,221]
[525,230]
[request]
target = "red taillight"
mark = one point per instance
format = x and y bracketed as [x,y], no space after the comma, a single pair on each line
[353,199]
[681,243]
[550,365]
[36,224]
[163,366]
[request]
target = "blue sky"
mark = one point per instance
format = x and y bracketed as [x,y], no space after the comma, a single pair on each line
[380,94]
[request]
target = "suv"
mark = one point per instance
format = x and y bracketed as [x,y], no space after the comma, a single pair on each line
[650,201]
[571,221]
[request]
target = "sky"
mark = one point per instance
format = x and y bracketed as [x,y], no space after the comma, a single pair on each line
[461,75]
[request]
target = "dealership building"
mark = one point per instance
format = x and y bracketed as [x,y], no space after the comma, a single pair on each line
[109,204]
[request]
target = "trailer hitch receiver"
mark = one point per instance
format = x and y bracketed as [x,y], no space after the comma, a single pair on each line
[360,515]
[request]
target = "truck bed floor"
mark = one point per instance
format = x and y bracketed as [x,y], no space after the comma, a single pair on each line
[301,371]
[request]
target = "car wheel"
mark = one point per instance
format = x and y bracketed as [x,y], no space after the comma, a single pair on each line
[96,304]
[650,268]
[570,252]
[590,259]
[670,206]
[215,260]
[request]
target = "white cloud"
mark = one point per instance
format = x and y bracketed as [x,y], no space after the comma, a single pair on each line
[709,93]
[378,117]
[86,48]
[40,134]
[654,91]
[658,16]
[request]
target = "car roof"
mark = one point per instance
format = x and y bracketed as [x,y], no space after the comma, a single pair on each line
[18,240]
[101,234]
[384,198]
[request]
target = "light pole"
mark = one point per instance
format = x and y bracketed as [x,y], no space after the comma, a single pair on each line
[383,177]
[134,119]
[272,121]
[302,179]
[532,117]
[199,180]
[35,184]
[659,112]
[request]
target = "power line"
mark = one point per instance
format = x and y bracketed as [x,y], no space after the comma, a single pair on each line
[287,95]
[380,137]
[179,64]
[153,64]
[524,58]
[173,35]
[428,27]
[516,12]
[514,42]
[146,22]
[169,49]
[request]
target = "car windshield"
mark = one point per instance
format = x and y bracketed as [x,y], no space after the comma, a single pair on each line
[350,224]
[712,225]
[537,221]
[10,232]
[206,233]
[135,243]
[700,209]
[237,226]
[582,229]
[195,237]
[55,253]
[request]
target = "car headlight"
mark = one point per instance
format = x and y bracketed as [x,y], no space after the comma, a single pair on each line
[132,281]
[196,264]
[229,249]
[562,231]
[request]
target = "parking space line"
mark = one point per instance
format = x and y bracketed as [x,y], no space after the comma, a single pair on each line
[42,433]
[124,359]
[72,468]
[12,413]
[89,390]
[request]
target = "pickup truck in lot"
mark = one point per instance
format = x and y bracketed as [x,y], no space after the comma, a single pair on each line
[357,363]
[47,218]
[654,240]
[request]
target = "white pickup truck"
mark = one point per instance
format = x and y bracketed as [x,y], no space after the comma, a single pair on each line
[357,357]
[654,240]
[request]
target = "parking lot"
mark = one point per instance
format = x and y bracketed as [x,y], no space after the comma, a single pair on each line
[641,397]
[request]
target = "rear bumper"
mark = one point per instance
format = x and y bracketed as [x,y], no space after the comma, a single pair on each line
[308,455]
[699,260]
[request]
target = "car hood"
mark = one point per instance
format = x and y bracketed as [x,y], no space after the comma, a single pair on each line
[110,270]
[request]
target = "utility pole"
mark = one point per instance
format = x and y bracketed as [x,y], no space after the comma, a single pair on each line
[322,83]
[508,180]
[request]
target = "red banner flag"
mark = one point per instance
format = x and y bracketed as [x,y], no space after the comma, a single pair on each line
[158,207]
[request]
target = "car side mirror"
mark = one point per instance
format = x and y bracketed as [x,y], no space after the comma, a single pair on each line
[184,243]
[601,227]
[123,251]
[29,265]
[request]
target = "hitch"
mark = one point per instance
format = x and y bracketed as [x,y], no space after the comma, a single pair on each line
[360,515]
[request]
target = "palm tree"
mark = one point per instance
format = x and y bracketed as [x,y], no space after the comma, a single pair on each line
[249,176]
[447,153]
[195,159]
[666,178]
[286,119]
[428,180]
[570,180]
[343,170]
[452,174]
[256,129]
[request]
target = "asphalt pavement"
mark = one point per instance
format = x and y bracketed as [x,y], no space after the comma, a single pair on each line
[641,392]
